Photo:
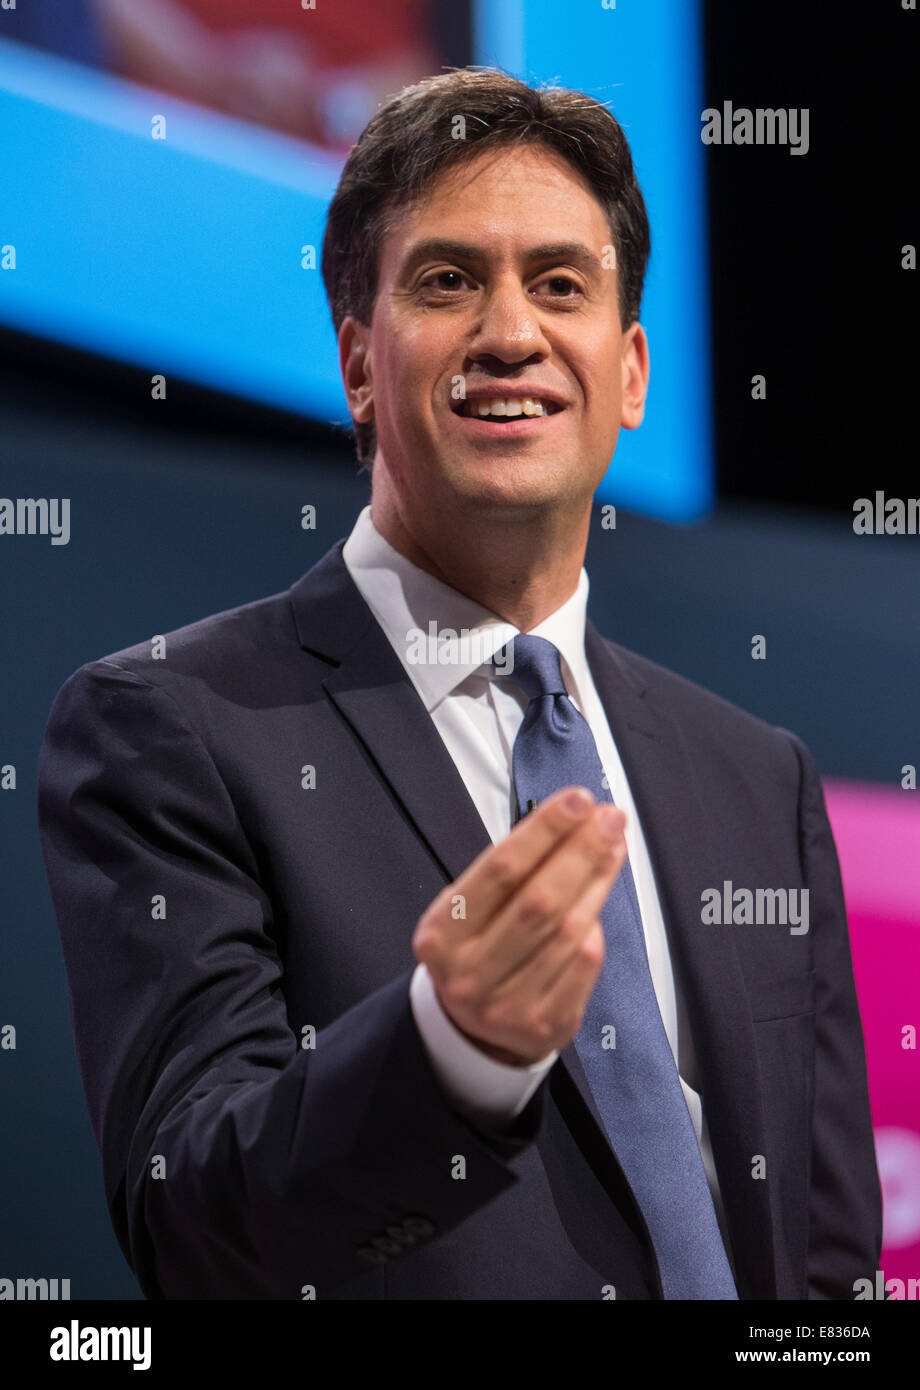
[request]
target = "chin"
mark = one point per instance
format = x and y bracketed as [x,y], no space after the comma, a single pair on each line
[513,482]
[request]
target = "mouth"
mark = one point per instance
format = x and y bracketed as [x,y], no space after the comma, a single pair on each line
[508,417]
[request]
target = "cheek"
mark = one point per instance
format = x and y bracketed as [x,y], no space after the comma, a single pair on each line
[406,360]
[595,362]
[602,390]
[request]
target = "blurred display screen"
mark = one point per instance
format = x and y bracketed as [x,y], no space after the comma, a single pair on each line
[171,162]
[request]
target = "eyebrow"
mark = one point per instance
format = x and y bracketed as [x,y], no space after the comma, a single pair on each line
[441,249]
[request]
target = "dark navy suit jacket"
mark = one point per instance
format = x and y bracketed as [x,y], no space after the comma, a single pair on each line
[213,909]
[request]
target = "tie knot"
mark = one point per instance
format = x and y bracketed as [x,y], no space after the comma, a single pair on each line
[535,666]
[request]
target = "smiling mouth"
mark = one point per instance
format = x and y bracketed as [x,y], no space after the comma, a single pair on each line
[506,410]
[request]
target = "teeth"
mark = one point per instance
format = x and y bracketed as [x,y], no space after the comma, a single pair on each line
[507,406]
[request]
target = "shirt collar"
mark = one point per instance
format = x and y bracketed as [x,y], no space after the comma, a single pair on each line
[419,613]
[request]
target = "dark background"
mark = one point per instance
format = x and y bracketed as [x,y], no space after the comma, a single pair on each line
[806,254]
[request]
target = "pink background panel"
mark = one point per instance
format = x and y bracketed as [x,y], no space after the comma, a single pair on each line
[877,830]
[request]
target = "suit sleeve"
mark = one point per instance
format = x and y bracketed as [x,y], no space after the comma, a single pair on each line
[237,1163]
[845,1210]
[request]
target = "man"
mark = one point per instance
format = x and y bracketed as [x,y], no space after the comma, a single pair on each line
[369,1000]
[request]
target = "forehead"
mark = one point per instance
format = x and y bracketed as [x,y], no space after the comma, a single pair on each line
[507,193]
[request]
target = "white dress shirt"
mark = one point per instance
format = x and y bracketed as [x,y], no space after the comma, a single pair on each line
[478,716]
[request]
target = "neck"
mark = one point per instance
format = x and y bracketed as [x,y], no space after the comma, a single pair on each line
[521,569]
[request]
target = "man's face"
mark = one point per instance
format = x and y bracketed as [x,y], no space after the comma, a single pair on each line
[500,284]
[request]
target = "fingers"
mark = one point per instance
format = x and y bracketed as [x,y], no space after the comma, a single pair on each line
[498,872]
[565,1001]
[515,968]
[527,1024]
[539,977]
[546,914]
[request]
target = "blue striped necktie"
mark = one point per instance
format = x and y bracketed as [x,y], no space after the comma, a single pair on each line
[622,1043]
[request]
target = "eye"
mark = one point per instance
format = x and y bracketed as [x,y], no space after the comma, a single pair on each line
[566,282]
[431,281]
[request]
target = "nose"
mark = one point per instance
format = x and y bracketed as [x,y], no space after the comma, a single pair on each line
[509,327]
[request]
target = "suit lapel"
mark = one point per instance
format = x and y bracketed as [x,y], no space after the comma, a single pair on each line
[372,691]
[370,688]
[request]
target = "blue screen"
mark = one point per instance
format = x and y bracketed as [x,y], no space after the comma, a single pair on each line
[186,241]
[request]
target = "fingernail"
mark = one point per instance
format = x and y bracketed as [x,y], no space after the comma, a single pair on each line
[609,822]
[577,801]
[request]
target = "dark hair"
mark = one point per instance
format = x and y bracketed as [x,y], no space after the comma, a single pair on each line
[413,139]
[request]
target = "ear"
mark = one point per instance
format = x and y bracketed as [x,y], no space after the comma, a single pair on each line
[634,360]
[355,366]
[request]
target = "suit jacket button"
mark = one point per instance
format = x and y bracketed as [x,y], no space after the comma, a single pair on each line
[370,1256]
[386,1245]
[418,1226]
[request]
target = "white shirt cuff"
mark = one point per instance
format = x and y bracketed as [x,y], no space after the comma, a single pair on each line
[489,1093]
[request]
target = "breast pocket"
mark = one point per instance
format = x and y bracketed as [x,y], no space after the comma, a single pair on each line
[782,998]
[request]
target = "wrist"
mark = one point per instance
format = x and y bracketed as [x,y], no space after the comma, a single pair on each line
[498,1054]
